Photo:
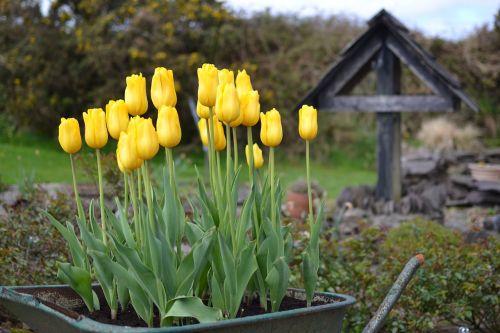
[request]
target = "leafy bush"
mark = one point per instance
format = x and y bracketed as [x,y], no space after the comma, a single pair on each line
[458,284]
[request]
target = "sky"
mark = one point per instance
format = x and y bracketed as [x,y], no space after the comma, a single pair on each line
[450,19]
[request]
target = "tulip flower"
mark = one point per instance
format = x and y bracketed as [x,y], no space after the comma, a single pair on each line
[135,95]
[308,122]
[116,117]
[243,83]
[146,139]
[250,108]
[168,127]
[226,76]
[207,84]
[257,156]
[237,122]
[96,133]
[203,128]
[227,107]
[69,135]
[220,138]
[202,110]
[120,165]
[162,88]
[271,132]
[126,154]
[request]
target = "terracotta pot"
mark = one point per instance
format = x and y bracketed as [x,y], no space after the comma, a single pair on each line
[297,205]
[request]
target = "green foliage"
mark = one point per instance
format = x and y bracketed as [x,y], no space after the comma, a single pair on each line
[459,282]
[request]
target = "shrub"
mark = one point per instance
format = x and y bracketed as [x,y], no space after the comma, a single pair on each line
[458,284]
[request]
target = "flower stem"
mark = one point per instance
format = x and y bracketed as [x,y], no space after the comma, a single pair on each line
[101,196]
[309,192]
[235,141]
[219,172]
[273,199]
[228,159]
[81,213]
[147,191]
[133,196]
[125,194]
[250,153]
[171,170]
[211,151]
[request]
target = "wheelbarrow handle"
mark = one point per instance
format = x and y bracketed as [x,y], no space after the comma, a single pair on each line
[393,295]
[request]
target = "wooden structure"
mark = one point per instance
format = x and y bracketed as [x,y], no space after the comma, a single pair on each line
[383,47]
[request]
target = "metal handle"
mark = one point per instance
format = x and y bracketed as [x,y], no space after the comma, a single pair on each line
[393,295]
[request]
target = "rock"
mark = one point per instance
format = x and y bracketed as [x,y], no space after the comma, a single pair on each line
[359,196]
[492,223]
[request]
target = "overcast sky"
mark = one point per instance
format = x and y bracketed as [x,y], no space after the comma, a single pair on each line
[449,19]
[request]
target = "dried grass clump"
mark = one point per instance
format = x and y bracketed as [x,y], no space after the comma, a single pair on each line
[442,134]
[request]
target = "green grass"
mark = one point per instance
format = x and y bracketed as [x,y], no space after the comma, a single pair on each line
[41,159]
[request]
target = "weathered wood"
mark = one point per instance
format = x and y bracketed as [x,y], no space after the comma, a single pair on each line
[387,103]
[388,129]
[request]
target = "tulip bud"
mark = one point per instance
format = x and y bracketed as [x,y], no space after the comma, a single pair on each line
[146,139]
[250,108]
[203,128]
[162,88]
[135,95]
[258,159]
[226,76]
[243,83]
[116,117]
[227,106]
[207,84]
[126,154]
[69,135]
[168,127]
[202,110]
[308,122]
[220,138]
[271,132]
[96,133]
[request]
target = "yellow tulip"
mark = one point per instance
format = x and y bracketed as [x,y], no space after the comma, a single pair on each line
[271,132]
[243,83]
[120,165]
[96,133]
[250,108]
[162,88]
[168,127]
[227,107]
[146,139]
[226,76]
[220,138]
[135,95]
[126,153]
[202,126]
[237,121]
[202,110]
[69,135]
[116,117]
[258,159]
[207,84]
[308,122]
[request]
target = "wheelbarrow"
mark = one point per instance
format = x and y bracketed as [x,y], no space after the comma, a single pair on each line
[37,307]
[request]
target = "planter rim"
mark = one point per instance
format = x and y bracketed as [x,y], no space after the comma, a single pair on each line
[11,293]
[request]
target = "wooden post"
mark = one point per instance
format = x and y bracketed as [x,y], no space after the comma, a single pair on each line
[388,69]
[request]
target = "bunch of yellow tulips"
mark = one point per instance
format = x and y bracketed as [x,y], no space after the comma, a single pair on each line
[254,238]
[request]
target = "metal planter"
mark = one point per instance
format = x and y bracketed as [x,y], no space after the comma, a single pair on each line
[49,309]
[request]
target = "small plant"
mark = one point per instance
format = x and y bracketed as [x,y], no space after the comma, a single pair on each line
[139,258]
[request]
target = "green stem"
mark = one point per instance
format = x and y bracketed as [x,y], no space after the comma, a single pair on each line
[101,196]
[133,196]
[211,151]
[219,172]
[309,192]
[228,159]
[125,191]
[171,169]
[81,213]
[235,142]
[250,154]
[147,191]
[273,199]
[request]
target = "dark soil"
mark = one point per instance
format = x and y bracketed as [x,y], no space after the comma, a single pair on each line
[130,318]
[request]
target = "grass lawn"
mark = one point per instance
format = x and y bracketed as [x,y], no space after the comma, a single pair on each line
[40,159]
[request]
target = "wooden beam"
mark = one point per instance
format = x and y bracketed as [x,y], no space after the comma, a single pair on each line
[388,103]
[388,129]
